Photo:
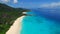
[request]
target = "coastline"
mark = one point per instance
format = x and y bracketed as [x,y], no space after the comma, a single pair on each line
[16,27]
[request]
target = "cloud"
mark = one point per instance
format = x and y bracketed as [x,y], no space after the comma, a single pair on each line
[15,1]
[5,0]
[50,5]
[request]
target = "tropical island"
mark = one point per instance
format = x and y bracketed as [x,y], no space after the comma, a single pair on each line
[8,15]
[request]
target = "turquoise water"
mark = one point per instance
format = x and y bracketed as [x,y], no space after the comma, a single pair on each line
[39,25]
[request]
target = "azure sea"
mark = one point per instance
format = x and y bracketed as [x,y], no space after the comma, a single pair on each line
[40,23]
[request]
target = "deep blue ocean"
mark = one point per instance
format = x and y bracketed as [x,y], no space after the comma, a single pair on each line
[41,22]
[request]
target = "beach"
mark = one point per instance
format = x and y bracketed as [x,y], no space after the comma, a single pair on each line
[16,27]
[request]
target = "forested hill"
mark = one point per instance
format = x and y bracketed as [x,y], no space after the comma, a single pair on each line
[8,15]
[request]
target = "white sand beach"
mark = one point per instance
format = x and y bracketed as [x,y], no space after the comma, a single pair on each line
[16,27]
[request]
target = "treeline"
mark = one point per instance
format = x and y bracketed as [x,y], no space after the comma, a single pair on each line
[8,15]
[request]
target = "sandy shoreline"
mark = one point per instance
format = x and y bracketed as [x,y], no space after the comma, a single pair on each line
[16,27]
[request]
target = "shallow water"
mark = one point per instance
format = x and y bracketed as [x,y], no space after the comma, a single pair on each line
[39,24]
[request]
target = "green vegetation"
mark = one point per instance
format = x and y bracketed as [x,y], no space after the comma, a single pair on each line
[8,15]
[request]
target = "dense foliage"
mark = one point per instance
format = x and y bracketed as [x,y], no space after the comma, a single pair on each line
[8,15]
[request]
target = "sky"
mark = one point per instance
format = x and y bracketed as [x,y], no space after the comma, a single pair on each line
[32,3]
